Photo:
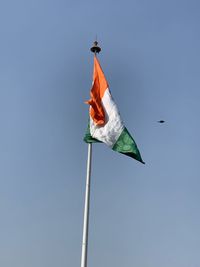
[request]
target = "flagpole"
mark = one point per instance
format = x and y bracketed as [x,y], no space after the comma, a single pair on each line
[86,210]
[95,49]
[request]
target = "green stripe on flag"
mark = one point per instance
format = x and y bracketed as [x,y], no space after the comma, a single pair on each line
[126,145]
[88,138]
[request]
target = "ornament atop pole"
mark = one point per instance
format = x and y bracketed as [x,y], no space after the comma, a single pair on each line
[95,48]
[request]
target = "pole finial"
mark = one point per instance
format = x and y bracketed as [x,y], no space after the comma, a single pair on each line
[95,48]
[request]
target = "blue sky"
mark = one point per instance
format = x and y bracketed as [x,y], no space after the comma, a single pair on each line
[141,215]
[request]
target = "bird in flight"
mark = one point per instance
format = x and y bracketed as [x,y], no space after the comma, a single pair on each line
[161,121]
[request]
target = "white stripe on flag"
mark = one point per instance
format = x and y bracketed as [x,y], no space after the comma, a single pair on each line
[110,132]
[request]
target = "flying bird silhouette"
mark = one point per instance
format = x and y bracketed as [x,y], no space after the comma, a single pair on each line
[161,121]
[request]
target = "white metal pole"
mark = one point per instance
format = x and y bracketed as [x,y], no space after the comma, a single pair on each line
[86,209]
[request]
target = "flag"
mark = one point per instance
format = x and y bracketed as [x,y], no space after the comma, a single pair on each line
[105,124]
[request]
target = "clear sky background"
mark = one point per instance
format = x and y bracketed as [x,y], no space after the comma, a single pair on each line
[141,215]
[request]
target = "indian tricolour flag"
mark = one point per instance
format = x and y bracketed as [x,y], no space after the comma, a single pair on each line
[105,123]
